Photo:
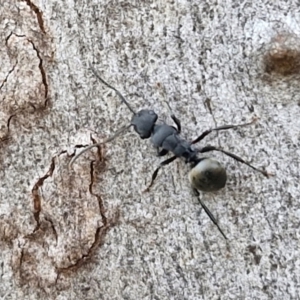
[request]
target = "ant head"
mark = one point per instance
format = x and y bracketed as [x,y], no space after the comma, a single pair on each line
[143,122]
[208,175]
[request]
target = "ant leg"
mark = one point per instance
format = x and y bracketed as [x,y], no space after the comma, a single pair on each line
[237,158]
[162,152]
[225,127]
[210,215]
[177,122]
[174,118]
[117,133]
[154,175]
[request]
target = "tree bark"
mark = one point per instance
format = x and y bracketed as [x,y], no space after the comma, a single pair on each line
[89,231]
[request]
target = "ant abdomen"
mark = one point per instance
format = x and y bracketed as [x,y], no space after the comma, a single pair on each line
[208,175]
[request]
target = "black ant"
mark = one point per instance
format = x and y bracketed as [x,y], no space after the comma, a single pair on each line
[207,174]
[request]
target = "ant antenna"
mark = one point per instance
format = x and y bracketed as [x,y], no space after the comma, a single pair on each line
[117,133]
[118,93]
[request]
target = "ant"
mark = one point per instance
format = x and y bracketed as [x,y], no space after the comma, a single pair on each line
[207,174]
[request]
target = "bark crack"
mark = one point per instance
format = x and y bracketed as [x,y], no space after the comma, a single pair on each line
[38,13]
[41,67]
[37,207]
[42,70]
[6,78]
[102,230]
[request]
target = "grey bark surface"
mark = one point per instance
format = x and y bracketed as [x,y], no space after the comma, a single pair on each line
[90,232]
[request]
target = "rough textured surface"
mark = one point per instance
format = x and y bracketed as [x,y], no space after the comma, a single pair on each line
[90,232]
